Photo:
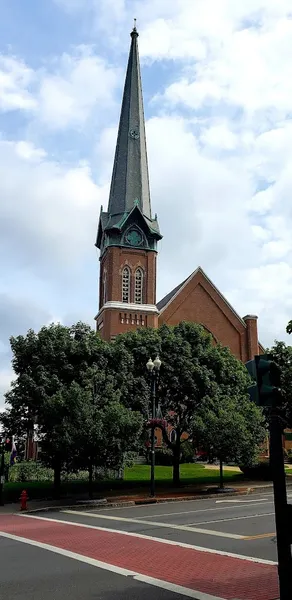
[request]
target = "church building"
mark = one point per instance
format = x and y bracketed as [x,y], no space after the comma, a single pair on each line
[128,237]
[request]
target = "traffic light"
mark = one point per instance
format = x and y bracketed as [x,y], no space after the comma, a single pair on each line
[267,375]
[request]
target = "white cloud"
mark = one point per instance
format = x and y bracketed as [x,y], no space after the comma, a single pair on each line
[219,149]
[80,83]
[27,150]
[6,378]
[15,80]
[250,70]
[65,93]
[219,136]
[49,213]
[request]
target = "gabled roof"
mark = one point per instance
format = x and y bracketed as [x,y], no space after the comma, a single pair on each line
[162,304]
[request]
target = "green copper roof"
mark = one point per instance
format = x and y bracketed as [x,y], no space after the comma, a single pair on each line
[130,181]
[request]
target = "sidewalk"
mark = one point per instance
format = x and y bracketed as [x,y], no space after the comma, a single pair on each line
[141,497]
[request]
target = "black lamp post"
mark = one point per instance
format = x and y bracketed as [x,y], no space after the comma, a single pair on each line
[2,471]
[153,368]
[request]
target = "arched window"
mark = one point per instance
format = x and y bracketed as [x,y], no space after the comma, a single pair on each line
[126,282]
[104,288]
[139,286]
[173,436]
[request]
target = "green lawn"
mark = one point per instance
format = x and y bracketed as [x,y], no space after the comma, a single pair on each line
[190,473]
[135,478]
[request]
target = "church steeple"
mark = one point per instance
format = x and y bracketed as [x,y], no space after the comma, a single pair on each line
[127,233]
[130,180]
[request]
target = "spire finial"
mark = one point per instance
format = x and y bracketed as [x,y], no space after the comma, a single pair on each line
[134,30]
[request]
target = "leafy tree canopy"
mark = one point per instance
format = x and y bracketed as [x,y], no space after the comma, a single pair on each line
[57,370]
[192,369]
[282,355]
[229,428]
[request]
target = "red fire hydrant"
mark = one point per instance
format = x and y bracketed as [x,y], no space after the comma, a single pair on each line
[23,500]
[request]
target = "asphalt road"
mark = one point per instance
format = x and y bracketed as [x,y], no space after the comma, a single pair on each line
[212,549]
[243,526]
[28,572]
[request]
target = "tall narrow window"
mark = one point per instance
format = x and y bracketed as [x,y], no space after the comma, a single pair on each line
[139,286]
[104,288]
[126,281]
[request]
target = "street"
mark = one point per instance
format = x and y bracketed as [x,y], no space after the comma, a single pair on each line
[211,549]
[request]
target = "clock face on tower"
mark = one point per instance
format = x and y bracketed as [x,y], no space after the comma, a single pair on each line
[134,134]
[133,237]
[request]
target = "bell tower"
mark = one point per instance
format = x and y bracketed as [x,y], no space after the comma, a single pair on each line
[127,234]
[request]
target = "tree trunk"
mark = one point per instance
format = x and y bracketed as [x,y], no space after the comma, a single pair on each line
[90,474]
[57,477]
[221,474]
[176,458]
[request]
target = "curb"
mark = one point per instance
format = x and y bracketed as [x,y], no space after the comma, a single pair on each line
[119,503]
[146,501]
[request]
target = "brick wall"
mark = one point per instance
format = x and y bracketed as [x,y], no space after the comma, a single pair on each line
[199,302]
[114,321]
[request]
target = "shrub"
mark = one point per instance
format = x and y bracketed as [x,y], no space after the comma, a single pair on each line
[30,471]
[187,453]
[289,456]
[163,457]
[259,472]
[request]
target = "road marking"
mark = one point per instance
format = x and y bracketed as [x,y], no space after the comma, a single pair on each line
[260,536]
[233,519]
[166,585]
[232,536]
[184,512]
[261,561]
[241,501]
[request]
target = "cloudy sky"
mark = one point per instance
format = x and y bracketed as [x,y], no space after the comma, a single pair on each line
[218,102]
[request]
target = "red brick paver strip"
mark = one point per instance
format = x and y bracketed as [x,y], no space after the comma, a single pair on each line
[222,576]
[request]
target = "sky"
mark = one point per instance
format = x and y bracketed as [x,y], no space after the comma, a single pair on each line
[217,94]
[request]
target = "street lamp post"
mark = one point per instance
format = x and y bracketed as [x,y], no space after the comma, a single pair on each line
[2,471]
[153,368]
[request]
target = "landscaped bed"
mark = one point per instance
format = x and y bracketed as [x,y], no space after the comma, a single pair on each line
[137,476]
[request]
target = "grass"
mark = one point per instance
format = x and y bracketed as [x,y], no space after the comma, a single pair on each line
[189,473]
[136,477]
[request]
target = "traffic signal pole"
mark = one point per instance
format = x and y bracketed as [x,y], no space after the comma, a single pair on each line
[282,516]
[266,393]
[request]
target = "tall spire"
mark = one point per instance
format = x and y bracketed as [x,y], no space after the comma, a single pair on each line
[130,181]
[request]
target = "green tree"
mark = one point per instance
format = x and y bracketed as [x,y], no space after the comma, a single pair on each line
[282,355]
[289,327]
[53,366]
[45,364]
[192,368]
[229,428]
[95,429]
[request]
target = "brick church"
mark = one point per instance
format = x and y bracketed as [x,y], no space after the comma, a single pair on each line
[128,236]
